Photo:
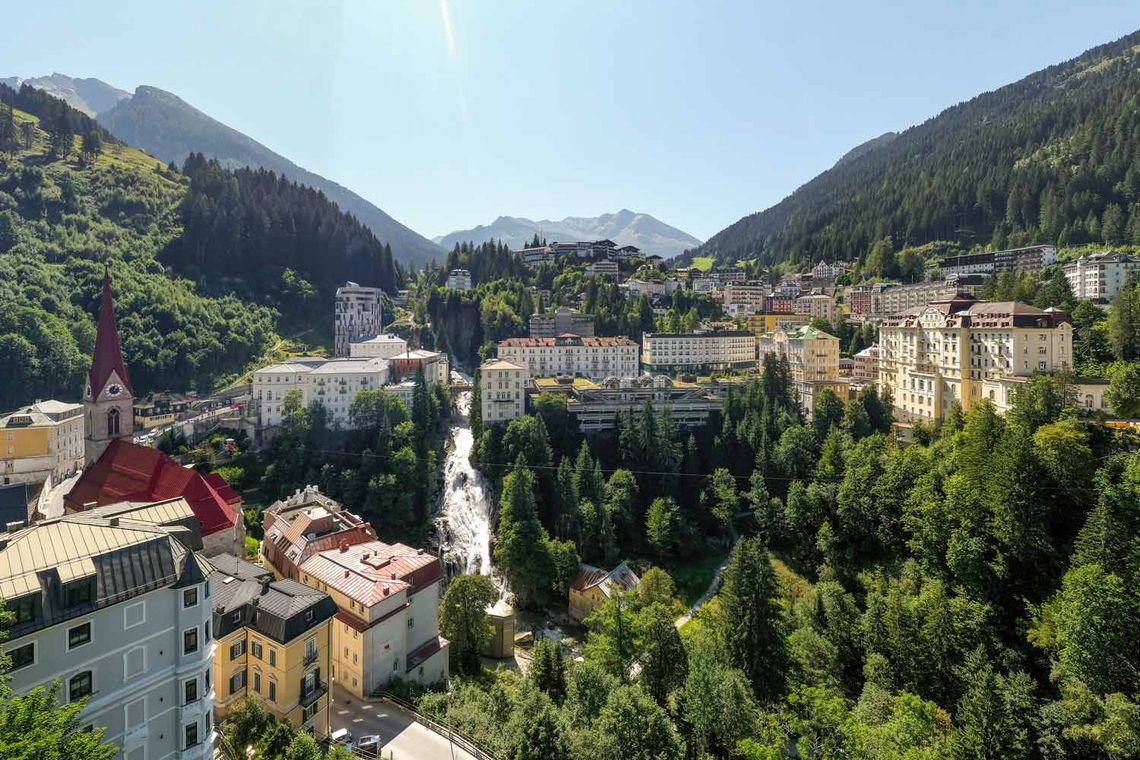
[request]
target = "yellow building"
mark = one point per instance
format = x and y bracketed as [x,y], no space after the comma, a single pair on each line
[592,586]
[760,324]
[933,355]
[274,643]
[41,441]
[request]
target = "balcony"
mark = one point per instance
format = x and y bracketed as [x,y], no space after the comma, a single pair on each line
[311,657]
[311,696]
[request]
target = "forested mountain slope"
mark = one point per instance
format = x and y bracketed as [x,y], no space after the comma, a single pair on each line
[172,129]
[1054,157]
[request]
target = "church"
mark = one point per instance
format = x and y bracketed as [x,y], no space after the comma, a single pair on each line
[118,470]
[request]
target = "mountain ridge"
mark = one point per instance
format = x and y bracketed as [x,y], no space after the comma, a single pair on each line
[624,227]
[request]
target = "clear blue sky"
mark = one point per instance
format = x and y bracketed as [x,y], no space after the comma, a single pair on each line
[697,113]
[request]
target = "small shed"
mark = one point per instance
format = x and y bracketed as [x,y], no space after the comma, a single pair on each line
[593,585]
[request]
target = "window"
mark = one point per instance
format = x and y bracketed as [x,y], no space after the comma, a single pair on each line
[190,641]
[80,592]
[308,616]
[206,629]
[272,690]
[272,657]
[207,675]
[190,691]
[237,682]
[190,597]
[23,656]
[207,591]
[113,422]
[79,635]
[311,650]
[79,687]
[237,649]
[257,649]
[257,681]
[307,713]
[236,618]
[309,683]
[24,609]
[206,722]
[191,735]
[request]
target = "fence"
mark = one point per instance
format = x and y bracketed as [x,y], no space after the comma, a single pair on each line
[443,730]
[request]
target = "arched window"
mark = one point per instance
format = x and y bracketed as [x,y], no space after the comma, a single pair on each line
[113,422]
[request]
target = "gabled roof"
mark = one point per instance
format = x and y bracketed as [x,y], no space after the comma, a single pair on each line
[108,357]
[371,571]
[129,472]
[621,578]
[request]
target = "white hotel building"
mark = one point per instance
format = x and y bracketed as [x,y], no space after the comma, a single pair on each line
[701,351]
[334,383]
[567,354]
[117,609]
[1099,276]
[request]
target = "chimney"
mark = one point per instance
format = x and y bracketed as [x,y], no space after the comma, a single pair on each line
[265,584]
[114,522]
[15,525]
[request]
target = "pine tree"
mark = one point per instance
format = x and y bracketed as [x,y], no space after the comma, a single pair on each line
[754,624]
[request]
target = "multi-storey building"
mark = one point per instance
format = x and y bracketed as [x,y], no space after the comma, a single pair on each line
[387,595]
[161,408]
[933,355]
[569,354]
[381,347]
[459,279]
[603,267]
[333,383]
[744,298]
[40,442]
[596,406]
[1029,259]
[891,299]
[1098,276]
[358,316]
[559,322]
[817,306]
[274,643]
[824,272]
[635,288]
[812,354]
[762,323]
[434,364]
[700,351]
[502,391]
[865,367]
[116,607]
[781,303]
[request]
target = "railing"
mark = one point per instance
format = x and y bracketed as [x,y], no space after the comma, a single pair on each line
[442,729]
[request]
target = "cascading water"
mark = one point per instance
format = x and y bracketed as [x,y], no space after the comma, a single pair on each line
[466,505]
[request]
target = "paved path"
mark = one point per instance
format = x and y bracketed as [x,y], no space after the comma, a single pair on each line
[402,737]
[713,586]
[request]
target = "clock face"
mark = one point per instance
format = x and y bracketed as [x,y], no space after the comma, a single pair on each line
[114,389]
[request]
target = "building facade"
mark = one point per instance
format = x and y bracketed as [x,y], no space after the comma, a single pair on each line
[934,355]
[274,644]
[568,354]
[603,267]
[387,595]
[1099,276]
[1030,259]
[559,322]
[865,367]
[502,391]
[744,298]
[357,316]
[817,306]
[700,351]
[117,608]
[812,354]
[40,442]
[383,346]
[459,279]
[595,406]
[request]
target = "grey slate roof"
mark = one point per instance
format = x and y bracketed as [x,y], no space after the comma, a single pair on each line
[245,595]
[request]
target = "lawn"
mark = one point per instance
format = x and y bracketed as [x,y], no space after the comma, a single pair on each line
[703,263]
[693,576]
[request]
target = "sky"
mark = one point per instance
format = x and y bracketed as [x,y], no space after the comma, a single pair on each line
[450,113]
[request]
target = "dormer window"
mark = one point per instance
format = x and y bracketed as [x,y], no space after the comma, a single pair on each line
[24,609]
[80,592]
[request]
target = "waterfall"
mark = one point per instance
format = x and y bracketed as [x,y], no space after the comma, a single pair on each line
[465,524]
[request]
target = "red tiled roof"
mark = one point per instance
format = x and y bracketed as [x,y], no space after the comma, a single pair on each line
[369,572]
[129,472]
[108,356]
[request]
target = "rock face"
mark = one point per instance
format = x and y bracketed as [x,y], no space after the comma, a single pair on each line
[169,128]
[624,228]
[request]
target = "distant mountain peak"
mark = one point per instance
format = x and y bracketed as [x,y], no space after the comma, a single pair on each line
[624,227]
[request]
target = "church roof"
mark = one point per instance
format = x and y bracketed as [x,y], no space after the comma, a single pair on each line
[108,356]
[129,472]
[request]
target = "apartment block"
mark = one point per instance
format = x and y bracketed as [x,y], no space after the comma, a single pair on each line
[812,354]
[387,595]
[568,354]
[383,346]
[817,306]
[559,322]
[274,644]
[41,441]
[865,367]
[603,267]
[744,298]
[933,355]
[1029,259]
[700,351]
[1099,276]
[502,391]
[115,604]
[459,279]
[357,316]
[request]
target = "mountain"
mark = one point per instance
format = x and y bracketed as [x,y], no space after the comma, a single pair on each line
[1054,157]
[624,228]
[170,128]
[90,96]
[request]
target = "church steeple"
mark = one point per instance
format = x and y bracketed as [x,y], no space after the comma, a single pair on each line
[108,397]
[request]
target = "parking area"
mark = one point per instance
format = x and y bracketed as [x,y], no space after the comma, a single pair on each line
[401,737]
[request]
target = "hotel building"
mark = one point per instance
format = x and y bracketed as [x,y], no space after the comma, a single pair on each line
[569,354]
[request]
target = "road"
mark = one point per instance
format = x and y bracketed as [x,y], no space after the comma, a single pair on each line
[403,737]
[713,586]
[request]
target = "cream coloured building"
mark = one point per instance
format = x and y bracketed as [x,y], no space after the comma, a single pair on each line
[1098,276]
[936,354]
[817,306]
[567,354]
[383,346]
[502,391]
[1087,393]
[333,383]
[700,351]
[741,299]
[865,367]
[812,354]
[41,441]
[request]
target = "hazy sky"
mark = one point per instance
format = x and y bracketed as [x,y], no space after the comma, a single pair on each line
[448,114]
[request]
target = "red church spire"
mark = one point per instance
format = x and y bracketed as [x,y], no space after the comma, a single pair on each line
[108,356]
